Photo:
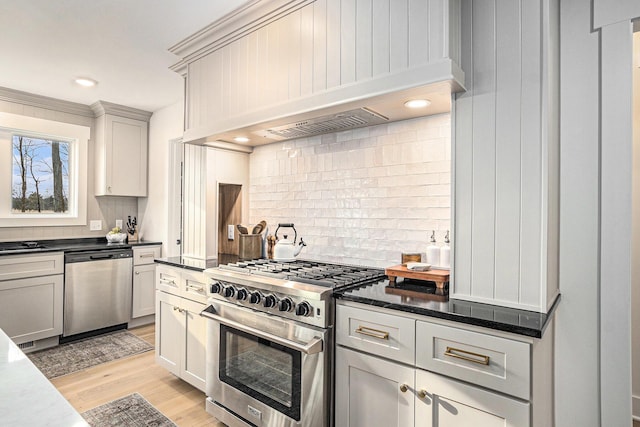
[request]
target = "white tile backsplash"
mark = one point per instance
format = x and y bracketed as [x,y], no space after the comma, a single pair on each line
[362,196]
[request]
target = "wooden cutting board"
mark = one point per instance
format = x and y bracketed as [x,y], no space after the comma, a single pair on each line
[440,277]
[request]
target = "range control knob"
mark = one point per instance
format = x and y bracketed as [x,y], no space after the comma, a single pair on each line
[255,297]
[285,304]
[242,294]
[269,301]
[228,291]
[215,288]
[303,309]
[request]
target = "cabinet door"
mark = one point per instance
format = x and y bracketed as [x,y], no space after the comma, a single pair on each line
[169,332]
[369,391]
[125,156]
[450,403]
[144,290]
[31,309]
[194,362]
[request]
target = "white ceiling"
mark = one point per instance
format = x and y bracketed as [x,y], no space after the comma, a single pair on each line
[122,44]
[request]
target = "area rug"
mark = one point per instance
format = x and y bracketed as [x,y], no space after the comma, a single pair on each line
[78,355]
[128,411]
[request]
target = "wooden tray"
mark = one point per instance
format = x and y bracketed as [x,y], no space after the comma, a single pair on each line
[440,277]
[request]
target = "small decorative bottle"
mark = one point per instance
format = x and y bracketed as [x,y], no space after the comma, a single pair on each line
[433,251]
[445,252]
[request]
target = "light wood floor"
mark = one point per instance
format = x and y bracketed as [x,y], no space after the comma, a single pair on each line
[176,399]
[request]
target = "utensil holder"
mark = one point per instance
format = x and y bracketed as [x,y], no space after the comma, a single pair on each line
[250,246]
[132,237]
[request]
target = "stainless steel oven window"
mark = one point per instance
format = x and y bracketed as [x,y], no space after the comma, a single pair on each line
[262,369]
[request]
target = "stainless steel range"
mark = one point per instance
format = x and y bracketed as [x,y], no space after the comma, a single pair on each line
[270,341]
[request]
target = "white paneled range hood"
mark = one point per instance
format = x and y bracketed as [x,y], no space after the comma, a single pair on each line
[285,69]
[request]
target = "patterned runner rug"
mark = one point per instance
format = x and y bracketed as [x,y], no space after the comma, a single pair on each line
[78,355]
[128,411]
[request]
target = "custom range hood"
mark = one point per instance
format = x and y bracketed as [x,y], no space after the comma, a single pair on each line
[371,111]
[274,70]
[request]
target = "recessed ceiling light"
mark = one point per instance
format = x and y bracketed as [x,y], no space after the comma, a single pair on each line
[241,139]
[417,103]
[86,82]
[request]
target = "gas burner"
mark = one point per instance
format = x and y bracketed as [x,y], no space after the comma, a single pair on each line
[301,290]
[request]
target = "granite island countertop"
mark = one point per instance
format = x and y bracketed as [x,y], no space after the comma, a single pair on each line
[429,301]
[27,398]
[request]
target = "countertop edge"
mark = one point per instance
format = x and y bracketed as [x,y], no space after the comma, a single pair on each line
[474,321]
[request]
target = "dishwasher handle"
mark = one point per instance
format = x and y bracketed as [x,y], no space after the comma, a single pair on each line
[99,257]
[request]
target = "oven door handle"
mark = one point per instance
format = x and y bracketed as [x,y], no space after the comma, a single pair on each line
[312,347]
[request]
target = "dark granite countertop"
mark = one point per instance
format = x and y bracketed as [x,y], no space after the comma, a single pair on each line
[66,245]
[188,263]
[429,301]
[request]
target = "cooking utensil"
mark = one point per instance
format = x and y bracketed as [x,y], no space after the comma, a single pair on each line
[257,229]
[242,229]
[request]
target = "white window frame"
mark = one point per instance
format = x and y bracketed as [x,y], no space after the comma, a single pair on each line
[78,136]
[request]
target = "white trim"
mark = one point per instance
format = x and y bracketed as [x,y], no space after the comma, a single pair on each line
[77,185]
[103,107]
[25,98]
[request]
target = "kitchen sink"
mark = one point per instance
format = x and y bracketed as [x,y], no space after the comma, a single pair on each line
[20,246]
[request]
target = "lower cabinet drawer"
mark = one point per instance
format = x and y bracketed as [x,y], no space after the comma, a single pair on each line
[145,254]
[493,362]
[381,334]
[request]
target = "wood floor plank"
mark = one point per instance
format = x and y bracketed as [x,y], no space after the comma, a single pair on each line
[177,400]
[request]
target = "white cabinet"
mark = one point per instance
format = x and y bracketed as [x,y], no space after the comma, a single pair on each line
[31,296]
[369,391]
[180,330]
[443,402]
[120,150]
[144,280]
[457,375]
[181,338]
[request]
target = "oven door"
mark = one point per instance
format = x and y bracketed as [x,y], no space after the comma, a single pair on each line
[265,370]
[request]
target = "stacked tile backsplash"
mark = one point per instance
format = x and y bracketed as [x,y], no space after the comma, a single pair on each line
[362,196]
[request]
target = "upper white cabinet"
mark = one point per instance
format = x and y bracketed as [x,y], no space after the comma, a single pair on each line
[121,145]
[273,59]
[507,155]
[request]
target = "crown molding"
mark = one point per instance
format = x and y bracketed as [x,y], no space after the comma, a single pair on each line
[39,101]
[103,107]
[231,27]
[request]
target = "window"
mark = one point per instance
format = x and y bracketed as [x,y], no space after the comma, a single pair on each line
[40,175]
[43,180]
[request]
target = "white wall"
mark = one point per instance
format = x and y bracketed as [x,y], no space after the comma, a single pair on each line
[166,124]
[362,196]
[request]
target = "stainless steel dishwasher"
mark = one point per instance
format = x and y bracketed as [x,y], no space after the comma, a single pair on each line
[97,290]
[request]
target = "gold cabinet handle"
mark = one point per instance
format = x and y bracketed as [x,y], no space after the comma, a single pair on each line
[372,332]
[404,388]
[167,281]
[147,255]
[469,356]
[422,394]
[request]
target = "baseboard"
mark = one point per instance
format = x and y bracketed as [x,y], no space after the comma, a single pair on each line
[141,321]
[636,407]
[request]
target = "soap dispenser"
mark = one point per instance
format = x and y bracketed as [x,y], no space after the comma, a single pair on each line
[445,252]
[433,251]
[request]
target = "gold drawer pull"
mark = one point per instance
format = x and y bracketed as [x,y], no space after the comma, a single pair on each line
[476,358]
[373,332]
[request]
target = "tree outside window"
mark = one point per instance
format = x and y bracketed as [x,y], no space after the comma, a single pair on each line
[40,182]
